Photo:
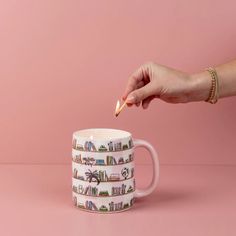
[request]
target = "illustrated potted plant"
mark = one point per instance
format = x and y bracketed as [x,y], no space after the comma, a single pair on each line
[92,175]
[103,208]
[103,193]
[102,148]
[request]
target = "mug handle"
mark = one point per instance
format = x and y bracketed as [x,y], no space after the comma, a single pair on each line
[155,165]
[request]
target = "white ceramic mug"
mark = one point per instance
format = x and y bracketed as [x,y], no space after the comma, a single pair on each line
[103,170]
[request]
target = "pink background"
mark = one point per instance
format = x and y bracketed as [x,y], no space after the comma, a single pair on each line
[63,65]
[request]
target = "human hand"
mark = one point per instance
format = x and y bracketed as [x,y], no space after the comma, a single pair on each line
[157,81]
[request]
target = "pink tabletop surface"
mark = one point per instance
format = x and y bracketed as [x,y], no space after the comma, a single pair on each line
[191,200]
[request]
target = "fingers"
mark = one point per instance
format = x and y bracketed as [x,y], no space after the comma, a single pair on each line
[135,81]
[140,94]
[140,84]
[139,87]
[136,104]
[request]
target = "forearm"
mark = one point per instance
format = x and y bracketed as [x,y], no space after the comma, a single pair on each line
[201,82]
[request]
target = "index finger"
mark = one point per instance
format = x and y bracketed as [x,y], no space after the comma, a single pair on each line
[134,80]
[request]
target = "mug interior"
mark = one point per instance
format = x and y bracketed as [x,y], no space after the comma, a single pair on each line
[102,134]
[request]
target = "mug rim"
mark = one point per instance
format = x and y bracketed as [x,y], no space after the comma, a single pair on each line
[107,134]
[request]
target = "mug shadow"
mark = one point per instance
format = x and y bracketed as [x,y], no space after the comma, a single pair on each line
[165,199]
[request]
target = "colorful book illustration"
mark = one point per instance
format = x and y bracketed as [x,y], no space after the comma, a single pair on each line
[115,206]
[118,190]
[89,146]
[91,191]
[108,160]
[112,206]
[78,159]
[100,162]
[111,160]
[94,191]
[75,173]
[90,206]
[114,177]
[93,176]
[103,176]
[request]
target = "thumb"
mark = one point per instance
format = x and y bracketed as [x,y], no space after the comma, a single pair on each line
[140,94]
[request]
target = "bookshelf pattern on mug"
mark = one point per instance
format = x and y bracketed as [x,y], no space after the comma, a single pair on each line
[106,161]
[96,192]
[111,146]
[102,176]
[110,207]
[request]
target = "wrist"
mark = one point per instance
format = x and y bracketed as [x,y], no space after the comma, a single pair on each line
[200,86]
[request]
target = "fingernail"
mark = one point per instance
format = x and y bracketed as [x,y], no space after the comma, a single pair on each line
[130,99]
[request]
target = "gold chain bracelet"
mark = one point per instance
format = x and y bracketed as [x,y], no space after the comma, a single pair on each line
[214,91]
